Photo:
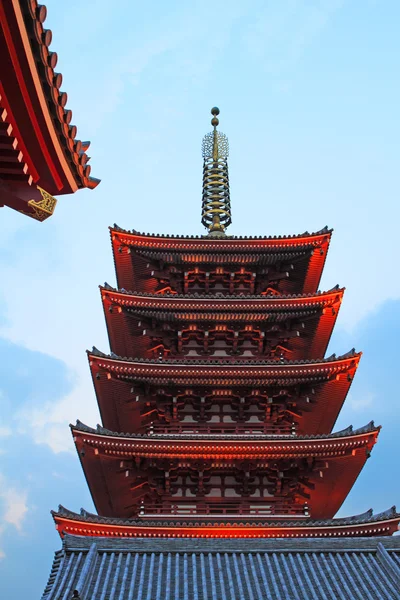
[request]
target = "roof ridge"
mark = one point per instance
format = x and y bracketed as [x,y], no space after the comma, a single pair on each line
[100,430]
[366,517]
[224,362]
[196,296]
[323,231]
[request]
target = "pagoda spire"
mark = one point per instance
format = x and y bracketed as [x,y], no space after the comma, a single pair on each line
[216,205]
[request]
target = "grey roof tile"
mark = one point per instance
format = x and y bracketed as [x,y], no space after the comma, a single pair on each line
[367,517]
[99,429]
[148,569]
[324,231]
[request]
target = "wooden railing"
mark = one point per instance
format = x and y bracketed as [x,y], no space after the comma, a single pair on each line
[271,508]
[222,428]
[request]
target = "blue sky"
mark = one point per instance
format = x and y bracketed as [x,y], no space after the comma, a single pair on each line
[309,95]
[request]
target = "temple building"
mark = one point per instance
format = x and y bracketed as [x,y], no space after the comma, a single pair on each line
[40,154]
[217,472]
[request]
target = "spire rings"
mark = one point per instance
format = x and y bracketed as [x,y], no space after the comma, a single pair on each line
[216,204]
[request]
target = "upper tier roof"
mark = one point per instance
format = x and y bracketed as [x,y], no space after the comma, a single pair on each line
[130,235]
[39,144]
[305,254]
[315,316]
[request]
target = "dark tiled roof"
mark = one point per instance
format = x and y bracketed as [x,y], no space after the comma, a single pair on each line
[324,231]
[232,569]
[219,296]
[225,436]
[228,362]
[364,518]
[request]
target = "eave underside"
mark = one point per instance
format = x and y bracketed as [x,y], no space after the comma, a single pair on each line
[221,569]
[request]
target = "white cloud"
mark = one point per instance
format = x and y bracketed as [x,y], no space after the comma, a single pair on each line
[13,508]
[48,424]
[16,507]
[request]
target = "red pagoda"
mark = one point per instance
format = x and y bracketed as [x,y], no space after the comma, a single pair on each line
[218,407]
[40,155]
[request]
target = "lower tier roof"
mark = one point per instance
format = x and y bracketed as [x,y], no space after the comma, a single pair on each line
[318,569]
[89,524]
[119,468]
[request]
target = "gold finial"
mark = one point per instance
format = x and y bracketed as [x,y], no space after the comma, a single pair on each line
[216,208]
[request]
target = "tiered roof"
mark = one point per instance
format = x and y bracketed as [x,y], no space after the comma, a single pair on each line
[185,450]
[231,568]
[40,155]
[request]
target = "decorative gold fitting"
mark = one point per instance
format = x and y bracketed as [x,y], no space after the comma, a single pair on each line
[44,208]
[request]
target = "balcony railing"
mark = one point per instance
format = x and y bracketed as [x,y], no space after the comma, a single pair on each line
[271,508]
[222,428]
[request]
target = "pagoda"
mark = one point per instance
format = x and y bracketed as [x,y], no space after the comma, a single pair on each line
[40,154]
[215,472]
